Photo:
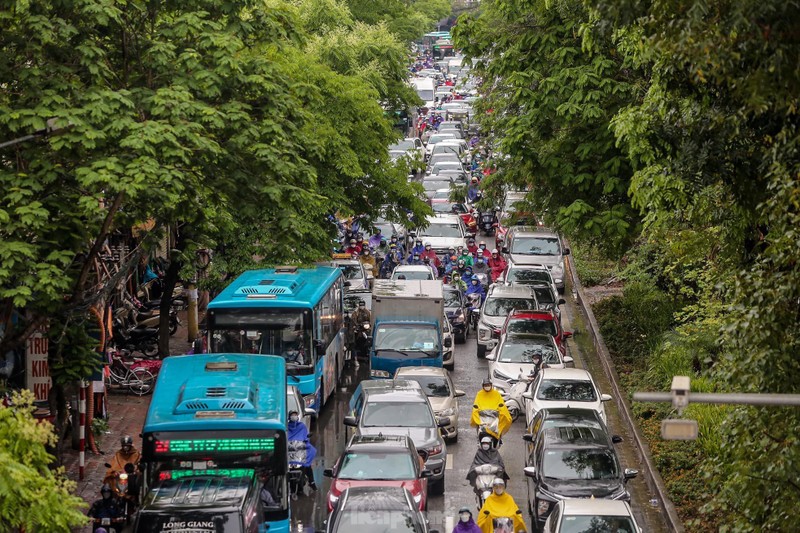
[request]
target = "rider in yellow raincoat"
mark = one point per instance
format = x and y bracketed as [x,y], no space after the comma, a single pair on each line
[500,504]
[489,399]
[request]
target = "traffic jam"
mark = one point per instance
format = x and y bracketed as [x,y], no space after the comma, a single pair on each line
[423,379]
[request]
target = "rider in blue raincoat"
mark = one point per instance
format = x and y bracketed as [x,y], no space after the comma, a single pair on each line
[475,287]
[297,431]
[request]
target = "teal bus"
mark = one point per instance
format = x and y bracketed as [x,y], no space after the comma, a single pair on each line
[214,439]
[296,313]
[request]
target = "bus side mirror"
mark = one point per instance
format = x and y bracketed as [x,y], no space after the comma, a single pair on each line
[319,348]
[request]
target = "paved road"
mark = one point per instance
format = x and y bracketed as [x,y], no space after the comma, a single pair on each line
[310,512]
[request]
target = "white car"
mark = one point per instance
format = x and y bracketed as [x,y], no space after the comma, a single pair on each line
[564,387]
[441,393]
[514,356]
[435,138]
[581,514]
[413,272]
[444,231]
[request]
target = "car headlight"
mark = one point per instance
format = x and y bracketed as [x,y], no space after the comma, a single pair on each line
[484,334]
[499,375]
[435,450]
[447,412]
[379,374]
[542,507]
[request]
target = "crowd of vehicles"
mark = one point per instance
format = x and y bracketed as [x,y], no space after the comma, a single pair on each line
[226,447]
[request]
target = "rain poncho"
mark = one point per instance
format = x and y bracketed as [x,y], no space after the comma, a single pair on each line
[375,240]
[297,431]
[486,457]
[467,527]
[491,400]
[499,506]
[476,289]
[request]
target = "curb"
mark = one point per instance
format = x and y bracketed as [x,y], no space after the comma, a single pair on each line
[652,477]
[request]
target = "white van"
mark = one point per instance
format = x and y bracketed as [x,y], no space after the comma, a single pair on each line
[425,89]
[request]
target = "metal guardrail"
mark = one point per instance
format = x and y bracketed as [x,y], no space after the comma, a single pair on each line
[653,479]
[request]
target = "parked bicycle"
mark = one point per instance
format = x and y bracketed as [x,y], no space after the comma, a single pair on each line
[122,374]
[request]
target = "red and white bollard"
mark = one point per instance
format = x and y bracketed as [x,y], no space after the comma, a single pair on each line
[82,429]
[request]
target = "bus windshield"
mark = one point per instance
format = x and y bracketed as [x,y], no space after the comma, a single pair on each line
[282,332]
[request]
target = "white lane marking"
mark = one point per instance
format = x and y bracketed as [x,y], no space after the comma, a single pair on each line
[448,523]
[449,462]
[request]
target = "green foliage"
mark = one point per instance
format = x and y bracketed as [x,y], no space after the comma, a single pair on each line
[592,266]
[32,496]
[408,20]
[552,93]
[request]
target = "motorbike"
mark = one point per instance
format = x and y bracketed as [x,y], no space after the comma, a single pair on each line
[484,280]
[489,425]
[489,221]
[513,398]
[150,317]
[474,301]
[111,525]
[483,481]
[363,340]
[133,339]
[503,524]
[297,475]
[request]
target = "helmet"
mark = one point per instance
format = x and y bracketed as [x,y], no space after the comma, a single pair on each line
[486,440]
[461,263]
[427,244]
[476,279]
[487,381]
[465,509]
[498,481]
[471,239]
[126,440]
[293,412]
[352,241]
[362,303]
[494,251]
[105,489]
[474,179]
[482,242]
[366,250]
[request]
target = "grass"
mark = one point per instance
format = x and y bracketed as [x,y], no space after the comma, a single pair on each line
[592,267]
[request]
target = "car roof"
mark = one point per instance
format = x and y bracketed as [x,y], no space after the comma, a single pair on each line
[586,506]
[566,373]
[444,219]
[421,371]
[395,390]
[576,436]
[412,268]
[381,443]
[532,230]
[376,499]
[510,291]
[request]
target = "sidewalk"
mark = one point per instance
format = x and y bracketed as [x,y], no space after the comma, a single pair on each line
[126,417]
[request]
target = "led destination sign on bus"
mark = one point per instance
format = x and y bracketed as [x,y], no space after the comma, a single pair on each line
[179,446]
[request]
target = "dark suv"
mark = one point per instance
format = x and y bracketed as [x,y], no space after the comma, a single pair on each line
[572,461]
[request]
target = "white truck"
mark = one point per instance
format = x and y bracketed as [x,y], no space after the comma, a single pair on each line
[407,325]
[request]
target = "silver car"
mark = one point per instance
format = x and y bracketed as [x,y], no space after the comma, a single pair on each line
[441,392]
[526,245]
[500,301]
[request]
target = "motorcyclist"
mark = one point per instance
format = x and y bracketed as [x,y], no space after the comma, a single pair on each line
[465,522]
[368,260]
[375,239]
[435,271]
[498,505]
[480,267]
[414,259]
[428,253]
[486,455]
[382,250]
[472,248]
[387,265]
[496,264]
[354,248]
[482,251]
[361,315]
[418,247]
[457,282]
[398,245]
[126,454]
[297,431]
[475,287]
[107,506]
[466,257]
[473,191]
[490,399]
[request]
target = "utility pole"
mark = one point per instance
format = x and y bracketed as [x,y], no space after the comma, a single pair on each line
[681,396]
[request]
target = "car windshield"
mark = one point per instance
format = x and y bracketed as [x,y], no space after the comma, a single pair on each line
[566,390]
[452,299]
[448,230]
[526,276]
[413,274]
[376,466]
[596,524]
[445,165]
[441,195]
[544,295]
[352,271]
[407,338]
[440,137]
[454,175]
[535,327]
[378,521]
[524,352]
[580,464]
[426,95]
[397,414]
[434,386]
[536,246]
[503,306]
[405,144]
[435,185]
[447,149]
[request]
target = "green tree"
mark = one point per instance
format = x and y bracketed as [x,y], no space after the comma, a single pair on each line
[32,496]
[549,93]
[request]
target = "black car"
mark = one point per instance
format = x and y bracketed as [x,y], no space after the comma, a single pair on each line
[575,461]
[557,417]
[377,509]
[455,307]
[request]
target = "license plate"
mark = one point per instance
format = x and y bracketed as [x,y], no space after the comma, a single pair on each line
[105,521]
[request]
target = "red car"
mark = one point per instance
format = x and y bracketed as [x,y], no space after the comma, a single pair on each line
[379,461]
[537,322]
[442,205]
